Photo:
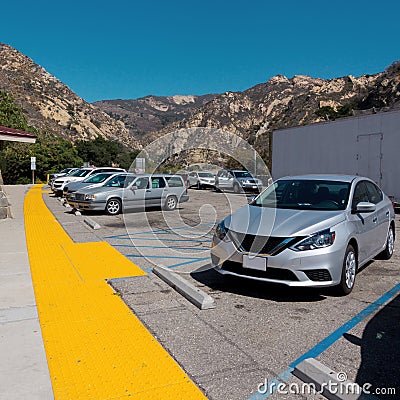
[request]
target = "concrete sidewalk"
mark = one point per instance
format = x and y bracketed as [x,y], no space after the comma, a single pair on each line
[23,366]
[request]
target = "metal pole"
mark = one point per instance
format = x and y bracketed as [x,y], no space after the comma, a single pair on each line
[255,163]
[33,177]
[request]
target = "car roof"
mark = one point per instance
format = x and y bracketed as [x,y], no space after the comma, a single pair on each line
[158,175]
[324,177]
[111,172]
[111,168]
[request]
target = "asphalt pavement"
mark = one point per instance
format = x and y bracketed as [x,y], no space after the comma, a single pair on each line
[251,340]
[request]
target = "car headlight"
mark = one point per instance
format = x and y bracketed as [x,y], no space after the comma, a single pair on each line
[220,232]
[90,197]
[318,240]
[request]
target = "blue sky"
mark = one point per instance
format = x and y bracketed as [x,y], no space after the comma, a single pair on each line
[129,49]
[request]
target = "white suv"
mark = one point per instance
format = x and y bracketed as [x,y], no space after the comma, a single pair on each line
[80,175]
[201,179]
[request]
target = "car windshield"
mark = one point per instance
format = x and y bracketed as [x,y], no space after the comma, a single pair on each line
[81,172]
[206,174]
[117,181]
[304,194]
[98,178]
[242,174]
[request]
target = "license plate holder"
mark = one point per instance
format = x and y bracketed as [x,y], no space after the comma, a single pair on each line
[254,262]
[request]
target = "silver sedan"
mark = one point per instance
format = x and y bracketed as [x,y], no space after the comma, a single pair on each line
[313,230]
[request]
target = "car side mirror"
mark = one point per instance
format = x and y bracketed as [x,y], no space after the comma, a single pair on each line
[365,207]
[133,188]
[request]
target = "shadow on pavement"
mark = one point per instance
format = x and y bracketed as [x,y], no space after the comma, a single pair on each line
[380,351]
[261,290]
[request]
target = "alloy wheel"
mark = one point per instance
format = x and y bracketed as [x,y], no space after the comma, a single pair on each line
[350,269]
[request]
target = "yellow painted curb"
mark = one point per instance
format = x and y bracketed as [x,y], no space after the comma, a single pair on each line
[96,348]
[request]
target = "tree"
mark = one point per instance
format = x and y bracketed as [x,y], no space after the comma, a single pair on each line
[101,152]
[11,114]
[52,155]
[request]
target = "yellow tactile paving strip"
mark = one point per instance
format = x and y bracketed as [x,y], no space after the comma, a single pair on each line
[96,348]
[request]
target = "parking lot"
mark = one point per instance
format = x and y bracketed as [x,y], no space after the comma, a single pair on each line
[257,332]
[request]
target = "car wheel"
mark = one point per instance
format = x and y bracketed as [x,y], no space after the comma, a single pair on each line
[171,203]
[236,188]
[388,252]
[198,186]
[113,206]
[349,271]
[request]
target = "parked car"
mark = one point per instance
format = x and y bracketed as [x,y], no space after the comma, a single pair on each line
[237,180]
[201,179]
[310,230]
[80,175]
[92,181]
[64,172]
[127,192]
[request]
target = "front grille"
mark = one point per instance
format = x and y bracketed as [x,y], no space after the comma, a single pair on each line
[79,196]
[260,244]
[318,275]
[270,273]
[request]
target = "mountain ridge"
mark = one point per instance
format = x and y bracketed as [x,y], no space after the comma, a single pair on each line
[253,114]
[52,106]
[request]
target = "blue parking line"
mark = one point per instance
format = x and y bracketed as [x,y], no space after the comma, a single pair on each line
[162,247]
[168,240]
[175,257]
[160,230]
[187,262]
[167,233]
[327,342]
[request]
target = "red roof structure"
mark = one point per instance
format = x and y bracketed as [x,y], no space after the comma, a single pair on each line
[15,135]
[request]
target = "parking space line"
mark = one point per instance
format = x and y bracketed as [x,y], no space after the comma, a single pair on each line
[96,347]
[328,341]
[161,230]
[164,256]
[187,262]
[166,233]
[167,240]
[162,247]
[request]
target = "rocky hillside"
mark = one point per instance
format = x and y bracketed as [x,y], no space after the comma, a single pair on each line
[253,114]
[51,106]
[282,102]
[152,113]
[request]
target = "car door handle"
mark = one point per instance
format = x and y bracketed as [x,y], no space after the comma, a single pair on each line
[375,220]
[148,191]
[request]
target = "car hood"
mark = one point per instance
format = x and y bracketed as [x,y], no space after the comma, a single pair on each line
[265,221]
[98,189]
[80,185]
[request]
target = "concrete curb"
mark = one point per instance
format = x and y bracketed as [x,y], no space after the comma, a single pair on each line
[196,296]
[313,372]
[91,223]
